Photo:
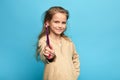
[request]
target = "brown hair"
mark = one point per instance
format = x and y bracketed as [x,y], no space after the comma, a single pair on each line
[47,17]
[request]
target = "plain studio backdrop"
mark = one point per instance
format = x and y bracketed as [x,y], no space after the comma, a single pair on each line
[94,27]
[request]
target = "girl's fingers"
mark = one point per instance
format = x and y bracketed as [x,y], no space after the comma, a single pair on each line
[49,50]
[46,54]
[49,56]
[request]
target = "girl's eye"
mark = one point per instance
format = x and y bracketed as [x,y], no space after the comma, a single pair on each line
[56,21]
[63,22]
[59,22]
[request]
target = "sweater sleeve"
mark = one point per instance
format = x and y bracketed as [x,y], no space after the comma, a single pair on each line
[76,62]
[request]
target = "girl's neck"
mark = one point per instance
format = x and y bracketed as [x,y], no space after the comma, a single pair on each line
[57,38]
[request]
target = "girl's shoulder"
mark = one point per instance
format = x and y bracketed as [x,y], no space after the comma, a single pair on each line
[71,42]
[67,39]
[43,38]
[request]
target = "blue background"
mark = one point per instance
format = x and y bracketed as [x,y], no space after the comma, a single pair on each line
[94,26]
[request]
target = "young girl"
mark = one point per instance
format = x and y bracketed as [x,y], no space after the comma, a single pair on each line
[59,55]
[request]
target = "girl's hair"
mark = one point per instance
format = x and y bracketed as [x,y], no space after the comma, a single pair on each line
[48,17]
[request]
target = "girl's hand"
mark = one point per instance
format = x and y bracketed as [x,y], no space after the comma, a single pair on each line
[49,52]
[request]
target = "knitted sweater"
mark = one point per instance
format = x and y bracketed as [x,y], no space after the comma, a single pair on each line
[66,65]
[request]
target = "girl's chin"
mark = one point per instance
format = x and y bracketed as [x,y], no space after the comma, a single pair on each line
[58,33]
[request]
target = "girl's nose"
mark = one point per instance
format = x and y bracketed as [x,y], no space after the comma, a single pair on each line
[60,25]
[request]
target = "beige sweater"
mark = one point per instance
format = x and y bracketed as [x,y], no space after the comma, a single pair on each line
[66,65]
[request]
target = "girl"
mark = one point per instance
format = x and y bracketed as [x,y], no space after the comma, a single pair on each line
[59,55]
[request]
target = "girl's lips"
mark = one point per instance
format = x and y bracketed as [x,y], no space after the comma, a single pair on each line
[59,29]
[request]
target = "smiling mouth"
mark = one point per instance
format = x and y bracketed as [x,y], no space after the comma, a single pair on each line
[59,30]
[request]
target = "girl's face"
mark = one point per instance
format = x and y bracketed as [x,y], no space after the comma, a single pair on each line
[57,24]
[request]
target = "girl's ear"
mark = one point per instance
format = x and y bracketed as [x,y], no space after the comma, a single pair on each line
[46,24]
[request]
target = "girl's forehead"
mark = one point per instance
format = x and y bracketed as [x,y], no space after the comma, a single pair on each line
[58,13]
[59,16]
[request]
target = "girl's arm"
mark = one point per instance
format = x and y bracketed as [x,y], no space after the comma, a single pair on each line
[41,45]
[48,56]
[76,62]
